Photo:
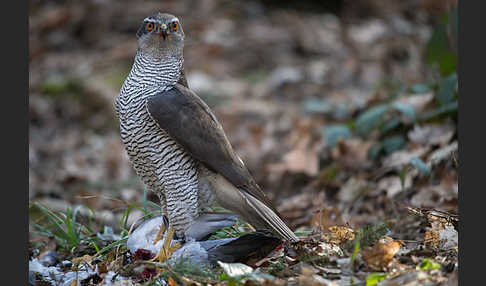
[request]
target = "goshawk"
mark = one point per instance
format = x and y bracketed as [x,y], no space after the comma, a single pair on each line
[175,143]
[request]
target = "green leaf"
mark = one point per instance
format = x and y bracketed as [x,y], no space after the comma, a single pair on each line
[439,51]
[406,109]
[317,105]
[393,143]
[420,165]
[357,247]
[445,109]
[56,221]
[375,151]
[369,120]
[420,88]
[374,278]
[389,125]
[447,90]
[403,174]
[334,132]
[428,264]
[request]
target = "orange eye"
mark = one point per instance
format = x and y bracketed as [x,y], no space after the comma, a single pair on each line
[149,26]
[175,26]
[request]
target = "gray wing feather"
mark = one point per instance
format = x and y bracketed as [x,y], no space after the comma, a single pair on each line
[187,119]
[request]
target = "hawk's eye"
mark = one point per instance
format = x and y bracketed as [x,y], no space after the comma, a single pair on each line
[175,26]
[149,26]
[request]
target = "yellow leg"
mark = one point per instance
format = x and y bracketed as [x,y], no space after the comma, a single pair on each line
[166,249]
[160,234]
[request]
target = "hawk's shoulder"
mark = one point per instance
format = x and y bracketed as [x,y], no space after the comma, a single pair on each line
[192,124]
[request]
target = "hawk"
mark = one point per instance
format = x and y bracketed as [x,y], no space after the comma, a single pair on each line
[176,144]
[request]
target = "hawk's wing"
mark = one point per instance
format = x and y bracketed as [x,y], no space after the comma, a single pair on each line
[188,120]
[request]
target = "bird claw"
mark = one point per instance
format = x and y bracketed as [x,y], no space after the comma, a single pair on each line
[166,250]
[160,234]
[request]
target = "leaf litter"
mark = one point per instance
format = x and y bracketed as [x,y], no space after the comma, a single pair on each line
[346,128]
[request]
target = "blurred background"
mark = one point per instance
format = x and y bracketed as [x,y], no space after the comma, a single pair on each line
[338,108]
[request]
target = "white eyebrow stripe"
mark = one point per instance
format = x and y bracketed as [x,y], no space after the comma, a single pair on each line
[174,19]
[149,19]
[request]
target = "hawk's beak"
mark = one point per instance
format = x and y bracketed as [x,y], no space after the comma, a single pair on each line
[163,31]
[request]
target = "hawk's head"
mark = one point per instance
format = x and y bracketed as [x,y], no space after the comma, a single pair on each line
[161,34]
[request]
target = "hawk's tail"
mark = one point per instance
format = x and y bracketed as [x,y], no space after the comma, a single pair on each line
[271,218]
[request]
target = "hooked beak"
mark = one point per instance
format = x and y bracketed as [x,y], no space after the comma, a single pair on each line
[163,31]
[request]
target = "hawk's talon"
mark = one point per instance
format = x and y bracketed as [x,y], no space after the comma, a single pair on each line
[160,234]
[166,250]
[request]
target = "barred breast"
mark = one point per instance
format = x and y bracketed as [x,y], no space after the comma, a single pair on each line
[159,161]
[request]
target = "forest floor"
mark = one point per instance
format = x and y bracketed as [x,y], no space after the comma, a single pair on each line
[345,114]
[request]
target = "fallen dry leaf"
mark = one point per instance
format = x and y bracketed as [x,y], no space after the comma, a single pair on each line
[393,184]
[410,278]
[300,208]
[352,153]
[430,196]
[419,102]
[380,256]
[308,278]
[351,190]
[328,250]
[302,159]
[83,260]
[340,234]
[442,234]
[432,134]
[431,238]
[326,217]
[397,160]
[444,153]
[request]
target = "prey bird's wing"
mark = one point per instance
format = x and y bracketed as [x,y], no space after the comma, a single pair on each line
[188,120]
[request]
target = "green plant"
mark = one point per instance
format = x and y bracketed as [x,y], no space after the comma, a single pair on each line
[63,227]
[374,278]
[428,264]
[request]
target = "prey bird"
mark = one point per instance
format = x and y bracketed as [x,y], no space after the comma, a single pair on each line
[177,146]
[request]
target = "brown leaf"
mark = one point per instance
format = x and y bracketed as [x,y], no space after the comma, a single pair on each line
[308,278]
[441,234]
[303,158]
[432,134]
[380,256]
[448,152]
[340,234]
[352,189]
[85,259]
[326,217]
[352,153]
[299,209]
[396,160]
[393,184]
[431,238]
[419,102]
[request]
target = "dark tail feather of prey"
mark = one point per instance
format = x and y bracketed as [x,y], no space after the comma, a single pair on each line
[253,245]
